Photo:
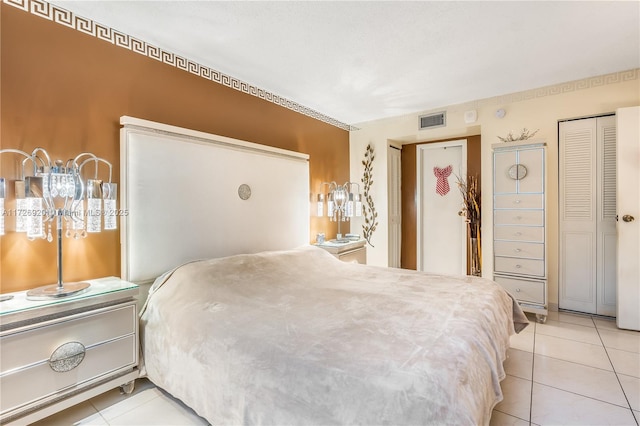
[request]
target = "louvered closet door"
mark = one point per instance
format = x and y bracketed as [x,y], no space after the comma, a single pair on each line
[587,216]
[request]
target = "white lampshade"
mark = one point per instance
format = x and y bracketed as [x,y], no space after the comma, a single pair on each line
[94,205]
[109,192]
[34,205]
[358,204]
[320,205]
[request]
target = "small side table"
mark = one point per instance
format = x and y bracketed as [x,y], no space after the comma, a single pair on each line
[350,251]
[57,353]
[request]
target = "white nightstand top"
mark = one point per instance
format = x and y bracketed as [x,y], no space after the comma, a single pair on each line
[340,247]
[102,291]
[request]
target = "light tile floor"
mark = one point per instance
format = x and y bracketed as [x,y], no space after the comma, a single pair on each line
[573,370]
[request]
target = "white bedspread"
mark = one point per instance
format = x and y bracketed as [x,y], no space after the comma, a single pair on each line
[298,337]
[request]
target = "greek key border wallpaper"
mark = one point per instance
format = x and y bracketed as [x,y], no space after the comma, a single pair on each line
[87,26]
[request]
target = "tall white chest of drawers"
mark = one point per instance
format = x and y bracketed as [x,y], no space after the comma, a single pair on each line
[519,223]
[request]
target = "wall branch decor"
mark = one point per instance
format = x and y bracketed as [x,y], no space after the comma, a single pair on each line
[369,210]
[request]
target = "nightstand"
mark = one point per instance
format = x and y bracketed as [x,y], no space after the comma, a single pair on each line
[57,353]
[350,251]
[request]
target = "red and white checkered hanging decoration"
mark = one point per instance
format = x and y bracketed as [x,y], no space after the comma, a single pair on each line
[442,184]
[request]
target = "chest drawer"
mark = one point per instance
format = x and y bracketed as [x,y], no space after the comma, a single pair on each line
[35,345]
[519,233]
[519,266]
[84,348]
[354,256]
[519,201]
[519,217]
[523,290]
[519,249]
[39,381]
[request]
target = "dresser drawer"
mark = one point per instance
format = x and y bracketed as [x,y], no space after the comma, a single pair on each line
[519,249]
[519,201]
[354,256]
[35,345]
[38,382]
[519,233]
[523,290]
[519,217]
[511,265]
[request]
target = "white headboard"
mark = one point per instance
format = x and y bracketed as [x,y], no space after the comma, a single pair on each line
[180,197]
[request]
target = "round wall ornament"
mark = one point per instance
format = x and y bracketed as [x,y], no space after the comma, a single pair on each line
[244,191]
[517,171]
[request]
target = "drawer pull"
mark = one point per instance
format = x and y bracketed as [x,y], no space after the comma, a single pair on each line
[518,266]
[66,357]
[518,290]
[518,217]
[517,234]
[516,201]
[517,250]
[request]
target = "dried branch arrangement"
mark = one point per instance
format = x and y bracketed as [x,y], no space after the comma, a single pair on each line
[470,201]
[524,135]
[470,192]
[369,210]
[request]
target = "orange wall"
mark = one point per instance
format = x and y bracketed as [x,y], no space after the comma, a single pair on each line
[65,91]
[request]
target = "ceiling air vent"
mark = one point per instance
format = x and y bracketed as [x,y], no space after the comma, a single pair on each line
[429,121]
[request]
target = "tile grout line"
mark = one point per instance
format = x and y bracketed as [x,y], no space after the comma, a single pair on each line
[581,395]
[533,364]
[90,401]
[124,412]
[616,373]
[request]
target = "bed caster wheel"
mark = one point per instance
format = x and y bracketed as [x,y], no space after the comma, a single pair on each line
[541,319]
[127,388]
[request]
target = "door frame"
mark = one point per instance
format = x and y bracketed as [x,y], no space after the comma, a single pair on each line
[462,143]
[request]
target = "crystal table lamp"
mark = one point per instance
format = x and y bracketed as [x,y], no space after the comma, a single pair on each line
[58,192]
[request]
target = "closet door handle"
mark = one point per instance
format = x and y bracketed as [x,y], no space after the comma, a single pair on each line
[628,218]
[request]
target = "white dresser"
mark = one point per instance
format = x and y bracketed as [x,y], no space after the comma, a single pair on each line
[57,353]
[347,251]
[519,223]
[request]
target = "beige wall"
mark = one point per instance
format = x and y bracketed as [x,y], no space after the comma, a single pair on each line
[535,109]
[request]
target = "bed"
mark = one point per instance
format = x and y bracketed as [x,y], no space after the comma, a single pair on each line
[283,333]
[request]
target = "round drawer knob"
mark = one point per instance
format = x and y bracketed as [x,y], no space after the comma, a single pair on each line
[518,290]
[66,357]
[517,250]
[516,201]
[517,234]
[518,266]
[518,217]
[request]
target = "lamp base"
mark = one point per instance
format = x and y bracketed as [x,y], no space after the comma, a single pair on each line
[57,291]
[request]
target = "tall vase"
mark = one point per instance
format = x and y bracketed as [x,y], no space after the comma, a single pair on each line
[475,254]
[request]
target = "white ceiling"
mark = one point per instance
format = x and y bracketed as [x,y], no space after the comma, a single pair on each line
[365,60]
